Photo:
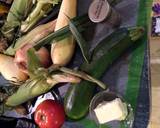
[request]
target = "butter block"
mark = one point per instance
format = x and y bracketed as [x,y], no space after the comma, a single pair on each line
[109,111]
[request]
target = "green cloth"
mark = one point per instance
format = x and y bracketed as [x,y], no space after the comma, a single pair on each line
[137,58]
[135,64]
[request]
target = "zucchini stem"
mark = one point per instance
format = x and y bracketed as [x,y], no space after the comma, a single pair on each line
[135,33]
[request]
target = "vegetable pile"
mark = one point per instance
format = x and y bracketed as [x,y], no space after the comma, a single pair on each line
[37,42]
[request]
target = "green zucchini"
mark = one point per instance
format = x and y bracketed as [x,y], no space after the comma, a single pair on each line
[78,96]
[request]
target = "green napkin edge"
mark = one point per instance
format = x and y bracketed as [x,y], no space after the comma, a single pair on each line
[135,65]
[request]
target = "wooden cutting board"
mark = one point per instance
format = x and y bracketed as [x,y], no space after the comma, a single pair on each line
[154,52]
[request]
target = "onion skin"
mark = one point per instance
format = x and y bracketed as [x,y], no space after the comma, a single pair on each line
[10,70]
[21,57]
[44,57]
[21,110]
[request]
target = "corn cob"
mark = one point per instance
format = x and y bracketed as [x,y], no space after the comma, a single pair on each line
[35,87]
[44,80]
[62,51]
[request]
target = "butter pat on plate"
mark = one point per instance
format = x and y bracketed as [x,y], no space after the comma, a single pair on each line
[112,110]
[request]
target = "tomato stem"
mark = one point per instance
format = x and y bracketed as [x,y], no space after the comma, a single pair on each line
[43,118]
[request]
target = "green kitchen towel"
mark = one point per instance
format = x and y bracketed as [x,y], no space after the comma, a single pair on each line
[137,57]
[135,64]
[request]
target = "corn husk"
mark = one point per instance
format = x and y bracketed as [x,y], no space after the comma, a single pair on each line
[81,22]
[18,11]
[41,9]
[32,37]
[42,80]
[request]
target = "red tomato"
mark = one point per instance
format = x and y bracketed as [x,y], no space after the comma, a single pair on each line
[49,114]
